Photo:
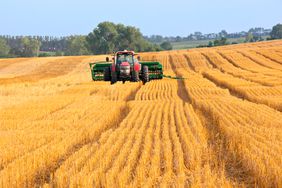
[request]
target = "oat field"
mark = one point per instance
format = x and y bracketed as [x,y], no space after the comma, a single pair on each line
[221,126]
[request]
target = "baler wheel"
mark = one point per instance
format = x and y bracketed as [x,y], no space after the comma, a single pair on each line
[135,76]
[145,74]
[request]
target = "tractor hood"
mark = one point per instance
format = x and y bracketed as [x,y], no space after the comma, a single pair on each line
[125,64]
[124,69]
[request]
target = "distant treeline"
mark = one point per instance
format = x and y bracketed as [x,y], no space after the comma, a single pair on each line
[28,46]
[258,32]
[108,37]
[32,45]
[254,35]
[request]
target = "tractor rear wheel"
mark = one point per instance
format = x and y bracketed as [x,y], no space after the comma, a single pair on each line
[114,78]
[135,76]
[107,74]
[145,74]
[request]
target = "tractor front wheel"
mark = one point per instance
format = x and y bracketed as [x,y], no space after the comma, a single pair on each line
[135,76]
[145,74]
[114,78]
[107,74]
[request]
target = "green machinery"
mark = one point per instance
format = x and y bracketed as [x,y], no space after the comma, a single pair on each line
[125,67]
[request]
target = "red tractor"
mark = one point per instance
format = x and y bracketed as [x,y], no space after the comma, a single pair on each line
[125,67]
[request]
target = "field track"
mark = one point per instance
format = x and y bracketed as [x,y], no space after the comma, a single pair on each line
[219,127]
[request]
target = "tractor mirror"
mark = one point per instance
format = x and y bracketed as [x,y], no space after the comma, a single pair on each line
[107,59]
[138,57]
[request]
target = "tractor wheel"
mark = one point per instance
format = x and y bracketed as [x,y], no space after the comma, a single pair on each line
[114,78]
[145,74]
[107,74]
[135,76]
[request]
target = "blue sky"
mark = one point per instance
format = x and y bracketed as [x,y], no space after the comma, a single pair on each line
[169,18]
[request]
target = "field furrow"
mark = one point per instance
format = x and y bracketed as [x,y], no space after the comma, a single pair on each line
[224,66]
[271,96]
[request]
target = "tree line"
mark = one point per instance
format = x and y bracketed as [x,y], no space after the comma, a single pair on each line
[275,33]
[257,32]
[106,38]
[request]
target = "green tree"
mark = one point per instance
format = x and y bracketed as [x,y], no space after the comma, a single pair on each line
[210,44]
[30,47]
[223,33]
[109,37]
[128,38]
[166,46]
[59,53]
[276,32]
[102,39]
[77,46]
[4,48]
[249,37]
[220,42]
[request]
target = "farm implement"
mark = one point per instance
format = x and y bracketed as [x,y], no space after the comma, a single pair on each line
[125,67]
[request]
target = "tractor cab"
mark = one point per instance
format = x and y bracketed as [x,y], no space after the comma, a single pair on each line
[125,56]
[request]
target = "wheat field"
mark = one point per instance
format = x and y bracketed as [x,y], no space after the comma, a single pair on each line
[221,126]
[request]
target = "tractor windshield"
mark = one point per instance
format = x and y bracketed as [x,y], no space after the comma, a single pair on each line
[125,58]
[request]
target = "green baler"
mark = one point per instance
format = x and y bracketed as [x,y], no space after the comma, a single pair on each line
[97,70]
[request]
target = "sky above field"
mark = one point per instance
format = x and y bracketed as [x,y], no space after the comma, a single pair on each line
[168,18]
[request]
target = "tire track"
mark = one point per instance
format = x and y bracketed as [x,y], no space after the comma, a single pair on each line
[181,91]
[189,62]
[234,92]
[269,57]
[229,73]
[256,61]
[249,69]
[234,64]
[217,146]
[221,157]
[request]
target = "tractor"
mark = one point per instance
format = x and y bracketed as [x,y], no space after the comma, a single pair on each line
[126,67]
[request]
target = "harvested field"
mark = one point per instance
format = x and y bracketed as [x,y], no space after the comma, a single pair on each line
[221,126]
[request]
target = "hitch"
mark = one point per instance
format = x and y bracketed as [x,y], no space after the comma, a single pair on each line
[174,77]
